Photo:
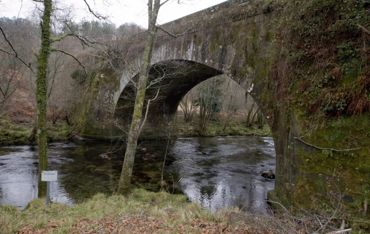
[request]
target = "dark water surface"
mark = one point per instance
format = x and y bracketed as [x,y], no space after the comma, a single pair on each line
[215,172]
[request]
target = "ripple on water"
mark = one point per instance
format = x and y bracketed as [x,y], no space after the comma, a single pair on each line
[214,172]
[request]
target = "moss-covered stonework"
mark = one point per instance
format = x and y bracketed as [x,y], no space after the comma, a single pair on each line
[327,92]
[94,113]
[306,63]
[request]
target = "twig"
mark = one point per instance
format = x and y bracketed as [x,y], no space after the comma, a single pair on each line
[147,109]
[72,56]
[281,205]
[323,148]
[171,34]
[14,51]
[340,231]
[329,219]
[84,40]
[164,160]
[98,16]
[164,2]
[364,29]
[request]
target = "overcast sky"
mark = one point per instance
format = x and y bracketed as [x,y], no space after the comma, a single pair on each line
[118,11]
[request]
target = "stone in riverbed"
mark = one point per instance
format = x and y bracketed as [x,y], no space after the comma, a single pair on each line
[268,174]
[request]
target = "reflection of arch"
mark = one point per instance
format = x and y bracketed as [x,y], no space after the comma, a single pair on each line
[172,79]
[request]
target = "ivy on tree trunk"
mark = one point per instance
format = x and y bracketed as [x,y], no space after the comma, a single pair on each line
[41,93]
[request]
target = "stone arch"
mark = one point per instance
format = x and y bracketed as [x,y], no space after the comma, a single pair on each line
[171,80]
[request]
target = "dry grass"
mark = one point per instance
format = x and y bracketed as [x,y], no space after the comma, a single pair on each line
[141,212]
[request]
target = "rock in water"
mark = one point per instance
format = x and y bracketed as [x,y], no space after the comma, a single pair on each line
[268,175]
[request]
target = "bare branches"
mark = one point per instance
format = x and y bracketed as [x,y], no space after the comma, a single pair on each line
[96,15]
[7,85]
[164,2]
[72,56]
[326,149]
[171,34]
[57,66]
[84,40]
[15,54]
[147,109]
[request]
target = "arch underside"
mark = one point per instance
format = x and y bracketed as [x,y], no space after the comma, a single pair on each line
[169,81]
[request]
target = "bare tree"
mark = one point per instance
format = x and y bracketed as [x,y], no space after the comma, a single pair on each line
[209,103]
[187,107]
[8,80]
[136,122]
[250,110]
[229,107]
[45,74]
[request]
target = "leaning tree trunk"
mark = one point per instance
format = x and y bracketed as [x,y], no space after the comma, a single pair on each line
[128,163]
[41,93]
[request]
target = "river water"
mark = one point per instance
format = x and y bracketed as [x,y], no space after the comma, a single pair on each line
[214,172]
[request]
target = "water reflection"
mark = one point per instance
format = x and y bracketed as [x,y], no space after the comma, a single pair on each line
[225,172]
[18,177]
[214,172]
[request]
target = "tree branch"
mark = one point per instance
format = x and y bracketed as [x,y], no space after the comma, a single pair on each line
[96,15]
[164,2]
[147,109]
[323,148]
[341,231]
[84,40]
[365,30]
[171,34]
[14,51]
[72,56]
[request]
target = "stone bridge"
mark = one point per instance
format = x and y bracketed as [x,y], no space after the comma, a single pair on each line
[244,40]
[233,38]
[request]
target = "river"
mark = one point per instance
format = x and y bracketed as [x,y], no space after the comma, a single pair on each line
[214,172]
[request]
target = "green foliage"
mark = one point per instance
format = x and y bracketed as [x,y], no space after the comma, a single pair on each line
[19,134]
[13,134]
[328,58]
[350,59]
[217,128]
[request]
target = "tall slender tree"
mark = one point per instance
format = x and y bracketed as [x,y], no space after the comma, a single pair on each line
[42,77]
[41,91]
[136,122]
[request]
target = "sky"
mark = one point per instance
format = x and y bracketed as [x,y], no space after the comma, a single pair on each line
[117,11]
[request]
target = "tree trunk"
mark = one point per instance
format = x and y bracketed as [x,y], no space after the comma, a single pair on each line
[128,163]
[41,93]
[250,111]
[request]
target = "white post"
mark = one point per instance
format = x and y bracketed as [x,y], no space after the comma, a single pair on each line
[49,176]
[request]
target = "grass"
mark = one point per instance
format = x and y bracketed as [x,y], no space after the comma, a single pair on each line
[13,134]
[19,134]
[217,128]
[140,212]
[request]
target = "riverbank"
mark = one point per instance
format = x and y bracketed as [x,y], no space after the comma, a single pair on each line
[20,134]
[217,128]
[140,212]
